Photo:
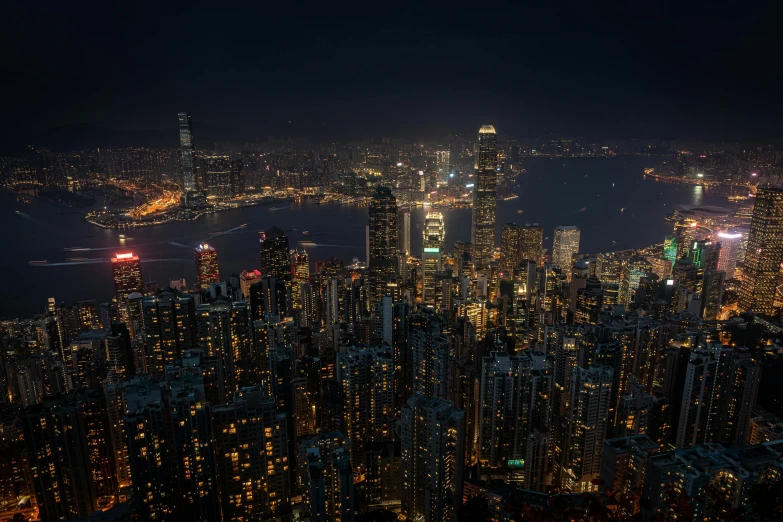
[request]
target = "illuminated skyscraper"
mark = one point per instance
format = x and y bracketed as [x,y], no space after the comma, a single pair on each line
[207,271]
[405,232]
[217,174]
[485,196]
[564,245]
[383,239]
[251,457]
[729,248]
[188,151]
[434,237]
[432,440]
[275,260]
[510,247]
[764,254]
[126,269]
[443,160]
[670,248]
[531,243]
[300,269]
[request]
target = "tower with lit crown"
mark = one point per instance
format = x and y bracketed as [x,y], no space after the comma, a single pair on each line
[434,238]
[485,196]
[207,271]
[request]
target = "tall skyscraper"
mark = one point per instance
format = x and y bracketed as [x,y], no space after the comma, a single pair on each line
[729,248]
[405,232]
[564,245]
[510,243]
[531,243]
[432,439]
[434,238]
[443,161]
[188,152]
[275,260]
[300,271]
[382,242]
[126,269]
[485,196]
[764,253]
[207,271]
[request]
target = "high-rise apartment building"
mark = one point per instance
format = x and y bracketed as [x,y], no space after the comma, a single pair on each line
[430,355]
[764,254]
[207,271]
[404,220]
[485,196]
[432,441]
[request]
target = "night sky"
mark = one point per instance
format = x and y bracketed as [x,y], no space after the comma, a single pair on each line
[99,74]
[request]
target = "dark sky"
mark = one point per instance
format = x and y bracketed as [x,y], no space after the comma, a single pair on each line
[380,68]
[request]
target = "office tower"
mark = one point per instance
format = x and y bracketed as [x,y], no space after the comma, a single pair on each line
[730,472]
[68,453]
[510,247]
[207,271]
[404,240]
[216,174]
[149,452]
[564,245]
[119,354]
[514,397]
[587,425]
[432,440]
[246,279]
[670,248]
[685,233]
[764,253]
[485,196]
[366,377]
[126,269]
[325,468]
[623,462]
[443,162]
[188,152]
[383,239]
[434,237]
[269,296]
[237,178]
[609,267]
[729,249]
[712,293]
[531,243]
[275,260]
[191,437]
[169,328]
[633,271]
[300,270]
[430,353]
[251,457]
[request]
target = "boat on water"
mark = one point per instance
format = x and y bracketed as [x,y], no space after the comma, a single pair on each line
[43,262]
[305,232]
[307,243]
[122,236]
[76,259]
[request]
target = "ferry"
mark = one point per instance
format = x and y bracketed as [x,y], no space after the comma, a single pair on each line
[307,243]
[76,259]
[122,236]
[39,262]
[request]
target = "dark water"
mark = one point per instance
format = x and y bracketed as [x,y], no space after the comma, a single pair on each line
[554,192]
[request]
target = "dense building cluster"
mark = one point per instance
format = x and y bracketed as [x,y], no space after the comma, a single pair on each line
[472,379]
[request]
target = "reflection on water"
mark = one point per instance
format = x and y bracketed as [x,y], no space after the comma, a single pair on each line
[698,194]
